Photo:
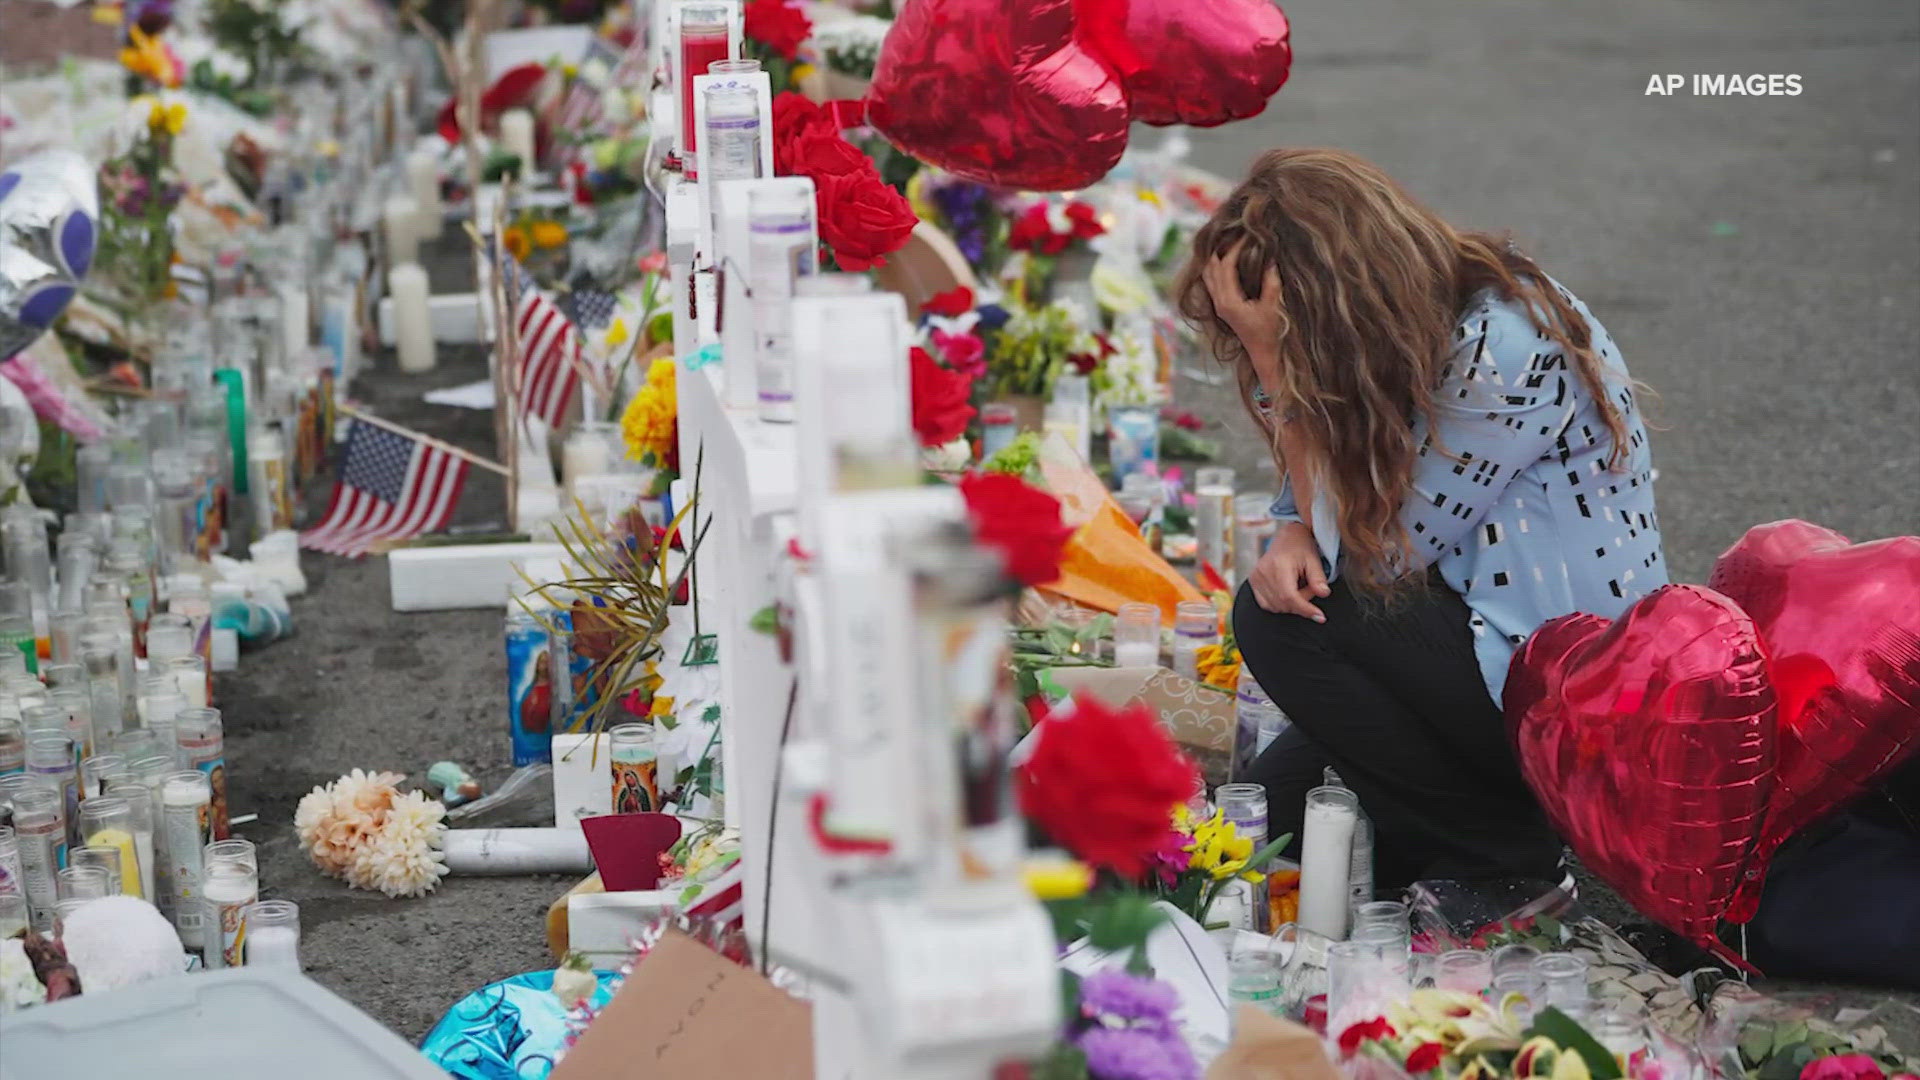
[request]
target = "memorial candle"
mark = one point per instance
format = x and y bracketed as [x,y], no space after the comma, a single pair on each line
[400,221]
[1326,856]
[185,796]
[412,317]
[423,183]
[516,138]
[704,38]
[273,934]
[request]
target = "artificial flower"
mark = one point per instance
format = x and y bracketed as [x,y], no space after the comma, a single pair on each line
[779,25]
[951,304]
[795,116]
[149,57]
[648,426]
[548,234]
[940,400]
[1374,1030]
[518,245]
[1218,665]
[362,829]
[1021,521]
[1100,781]
[1843,1067]
[617,333]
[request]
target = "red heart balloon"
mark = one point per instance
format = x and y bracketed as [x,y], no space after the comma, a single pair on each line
[1650,743]
[1005,92]
[1841,626]
[1205,63]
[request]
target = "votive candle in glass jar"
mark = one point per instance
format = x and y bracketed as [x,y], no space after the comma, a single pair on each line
[1253,530]
[40,832]
[231,883]
[1563,982]
[732,136]
[999,426]
[1213,518]
[636,782]
[106,858]
[273,934]
[190,675]
[13,746]
[16,915]
[185,796]
[140,823]
[1136,636]
[1245,805]
[1195,625]
[1469,971]
[201,739]
[1326,856]
[83,882]
[107,822]
[705,36]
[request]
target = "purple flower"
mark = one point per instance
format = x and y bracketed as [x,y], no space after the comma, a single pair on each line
[1120,996]
[1136,1054]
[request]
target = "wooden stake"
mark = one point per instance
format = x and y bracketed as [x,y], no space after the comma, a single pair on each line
[388,425]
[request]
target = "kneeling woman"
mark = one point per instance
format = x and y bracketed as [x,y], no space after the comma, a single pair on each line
[1460,460]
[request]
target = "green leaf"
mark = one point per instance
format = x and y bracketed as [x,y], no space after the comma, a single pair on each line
[1789,1034]
[1567,1034]
[1548,925]
[765,621]
[1756,1043]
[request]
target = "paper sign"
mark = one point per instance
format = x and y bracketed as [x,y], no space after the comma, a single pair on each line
[682,1013]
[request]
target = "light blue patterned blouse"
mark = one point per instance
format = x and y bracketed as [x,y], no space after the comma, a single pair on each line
[1524,519]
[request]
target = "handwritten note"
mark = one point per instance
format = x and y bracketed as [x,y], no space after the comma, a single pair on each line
[682,1013]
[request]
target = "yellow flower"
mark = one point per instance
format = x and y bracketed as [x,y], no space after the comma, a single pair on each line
[1218,666]
[662,706]
[549,234]
[800,71]
[1148,195]
[148,57]
[617,333]
[517,243]
[1057,879]
[167,118]
[918,198]
[1220,850]
[647,425]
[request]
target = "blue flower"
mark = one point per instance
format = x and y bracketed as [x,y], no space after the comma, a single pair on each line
[993,316]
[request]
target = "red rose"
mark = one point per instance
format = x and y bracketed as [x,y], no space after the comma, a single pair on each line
[1425,1057]
[778,25]
[1103,783]
[951,304]
[794,117]
[1086,223]
[964,353]
[821,153]
[940,406]
[1020,520]
[861,218]
[1843,1067]
[1364,1031]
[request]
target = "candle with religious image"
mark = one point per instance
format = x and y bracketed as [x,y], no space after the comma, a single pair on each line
[782,246]
[201,739]
[231,882]
[636,782]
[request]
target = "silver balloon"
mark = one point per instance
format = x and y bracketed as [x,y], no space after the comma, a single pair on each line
[49,223]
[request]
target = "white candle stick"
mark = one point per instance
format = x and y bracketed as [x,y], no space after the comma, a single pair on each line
[516,138]
[423,183]
[401,218]
[412,318]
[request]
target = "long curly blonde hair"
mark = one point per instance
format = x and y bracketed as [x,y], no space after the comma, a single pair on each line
[1372,284]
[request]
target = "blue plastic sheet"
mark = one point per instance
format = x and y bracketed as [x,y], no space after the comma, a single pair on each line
[514,1029]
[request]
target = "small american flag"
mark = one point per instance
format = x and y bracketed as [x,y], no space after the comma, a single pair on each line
[391,487]
[590,309]
[549,348]
[723,899]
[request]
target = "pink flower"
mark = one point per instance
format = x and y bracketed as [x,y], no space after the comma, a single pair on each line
[1843,1067]
[1170,859]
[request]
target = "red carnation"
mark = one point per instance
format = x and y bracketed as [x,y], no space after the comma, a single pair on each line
[1022,521]
[940,400]
[778,25]
[862,219]
[951,304]
[1031,231]
[1103,783]
[1365,1031]
[964,353]
[1086,223]
[1425,1057]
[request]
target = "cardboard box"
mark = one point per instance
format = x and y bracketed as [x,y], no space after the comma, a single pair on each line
[1200,717]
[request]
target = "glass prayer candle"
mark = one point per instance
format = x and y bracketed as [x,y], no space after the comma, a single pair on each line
[1195,624]
[128,562]
[95,770]
[16,635]
[25,690]
[999,426]
[1466,970]
[62,676]
[91,464]
[1326,854]
[780,232]
[10,883]
[140,823]
[82,882]
[169,635]
[1136,636]
[16,915]
[13,746]
[185,797]
[160,702]
[1142,497]
[108,859]
[50,757]
[188,596]
[1245,805]
[77,562]
[103,686]
[1563,982]
[636,784]
[151,773]
[1391,914]
[28,560]
[732,135]
[1253,529]
[231,883]
[136,744]
[1513,959]
[705,32]
[106,821]
[190,676]
[41,834]
[1213,518]
[273,934]
[13,664]
[200,737]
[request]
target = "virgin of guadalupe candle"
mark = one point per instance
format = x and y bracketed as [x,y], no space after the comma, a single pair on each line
[186,796]
[232,881]
[636,784]
[200,737]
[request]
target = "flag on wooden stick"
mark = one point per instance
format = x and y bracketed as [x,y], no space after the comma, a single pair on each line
[392,486]
[549,364]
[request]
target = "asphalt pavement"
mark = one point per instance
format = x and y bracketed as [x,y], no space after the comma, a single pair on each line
[1756,259]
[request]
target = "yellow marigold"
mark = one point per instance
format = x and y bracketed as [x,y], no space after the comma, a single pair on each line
[517,243]
[549,234]
[148,57]
[646,427]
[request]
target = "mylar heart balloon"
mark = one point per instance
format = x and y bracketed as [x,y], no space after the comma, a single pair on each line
[1205,63]
[1007,92]
[1650,743]
[49,210]
[1841,625]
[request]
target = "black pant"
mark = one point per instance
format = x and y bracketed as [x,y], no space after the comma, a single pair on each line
[1391,696]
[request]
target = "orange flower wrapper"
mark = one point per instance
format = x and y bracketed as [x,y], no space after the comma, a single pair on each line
[1106,563]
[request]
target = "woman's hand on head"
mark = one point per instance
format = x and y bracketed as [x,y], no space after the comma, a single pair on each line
[1289,576]
[1256,321]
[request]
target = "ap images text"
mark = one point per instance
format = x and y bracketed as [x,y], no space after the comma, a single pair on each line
[1724,85]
